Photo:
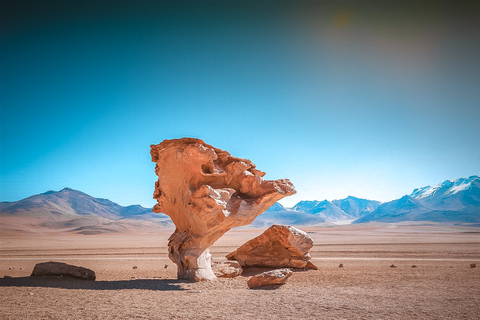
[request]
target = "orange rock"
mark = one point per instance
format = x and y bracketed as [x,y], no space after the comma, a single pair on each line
[278,247]
[274,277]
[206,192]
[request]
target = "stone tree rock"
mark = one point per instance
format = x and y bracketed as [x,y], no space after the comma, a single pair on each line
[278,247]
[206,192]
[52,268]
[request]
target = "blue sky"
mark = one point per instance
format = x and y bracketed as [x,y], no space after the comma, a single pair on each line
[370,99]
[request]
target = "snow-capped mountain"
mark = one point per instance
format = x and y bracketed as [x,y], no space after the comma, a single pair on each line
[356,207]
[277,214]
[324,209]
[338,210]
[450,201]
[315,212]
[451,193]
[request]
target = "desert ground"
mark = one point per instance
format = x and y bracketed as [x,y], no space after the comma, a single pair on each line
[442,286]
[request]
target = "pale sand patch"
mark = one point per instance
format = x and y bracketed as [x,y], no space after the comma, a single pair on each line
[443,286]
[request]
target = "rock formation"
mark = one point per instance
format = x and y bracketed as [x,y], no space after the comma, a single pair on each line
[227,269]
[62,269]
[273,277]
[206,192]
[278,247]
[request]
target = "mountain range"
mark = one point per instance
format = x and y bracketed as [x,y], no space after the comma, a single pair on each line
[455,201]
[316,212]
[74,211]
[450,201]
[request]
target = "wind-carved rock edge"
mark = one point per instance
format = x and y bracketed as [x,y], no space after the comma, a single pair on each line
[206,192]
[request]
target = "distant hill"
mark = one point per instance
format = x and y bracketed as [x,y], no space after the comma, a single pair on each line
[450,201]
[338,210]
[73,210]
[277,214]
[356,207]
[306,213]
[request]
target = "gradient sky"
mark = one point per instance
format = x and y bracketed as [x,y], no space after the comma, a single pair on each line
[370,99]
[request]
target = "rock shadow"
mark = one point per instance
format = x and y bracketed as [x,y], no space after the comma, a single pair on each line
[78,284]
[269,287]
[253,271]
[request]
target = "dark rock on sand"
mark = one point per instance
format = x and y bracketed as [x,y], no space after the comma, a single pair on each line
[52,268]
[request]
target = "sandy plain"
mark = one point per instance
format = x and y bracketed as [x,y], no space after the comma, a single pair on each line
[442,286]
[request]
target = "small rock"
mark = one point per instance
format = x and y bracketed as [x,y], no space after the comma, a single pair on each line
[340,265]
[30,293]
[62,269]
[132,278]
[228,269]
[166,266]
[134,267]
[414,266]
[274,277]
[473,265]
[393,266]
[11,268]
[21,268]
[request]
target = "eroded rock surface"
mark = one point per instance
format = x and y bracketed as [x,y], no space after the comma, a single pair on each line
[206,192]
[273,277]
[52,268]
[278,247]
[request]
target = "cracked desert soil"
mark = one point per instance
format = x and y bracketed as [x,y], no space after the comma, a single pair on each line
[442,286]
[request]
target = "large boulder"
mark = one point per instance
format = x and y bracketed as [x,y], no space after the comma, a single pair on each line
[278,247]
[206,192]
[269,278]
[52,268]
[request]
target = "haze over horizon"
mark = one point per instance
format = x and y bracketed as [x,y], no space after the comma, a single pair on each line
[368,99]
